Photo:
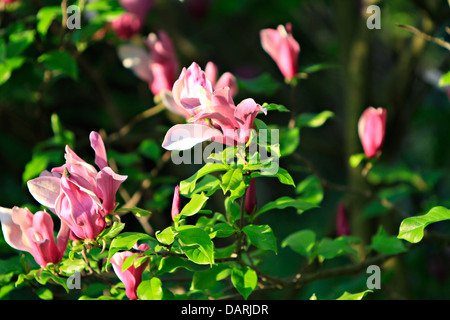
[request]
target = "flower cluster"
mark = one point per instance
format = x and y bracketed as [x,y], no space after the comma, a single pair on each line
[78,194]
[81,196]
[210,111]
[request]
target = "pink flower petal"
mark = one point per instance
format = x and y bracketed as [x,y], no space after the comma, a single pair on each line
[45,189]
[97,144]
[108,182]
[185,136]
[12,230]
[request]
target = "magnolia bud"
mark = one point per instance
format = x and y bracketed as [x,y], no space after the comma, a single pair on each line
[342,224]
[250,197]
[371,130]
[176,206]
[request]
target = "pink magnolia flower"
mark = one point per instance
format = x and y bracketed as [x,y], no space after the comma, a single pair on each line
[158,66]
[126,25]
[8,1]
[80,195]
[176,204]
[225,80]
[212,113]
[371,130]
[139,8]
[131,22]
[342,224]
[193,90]
[283,48]
[223,122]
[34,234]
[250,197]
[132,276]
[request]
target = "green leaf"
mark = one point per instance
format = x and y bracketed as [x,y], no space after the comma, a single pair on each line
[150,149]
[150,289]
[70,266]
[44,276]
[275,107]
[126,241]
[356,159]
[196,244]
[138,212]
[205,279]
[222,230]
[8,66]
[38,163]
[302,242]
[353,296]
[63,137]
[128,262]
[167,236]
[386,244]
[5,289]
[112,231]
[264,84]
[60,62]
[412,229]
[310,190]
[313,120]
[285,177]
[45,17]
[261,237]
[208,184]
[285,202]
[289,140]
[171,264]
[444,81]
[232,209]
[394,174]
[331,248]
[194,205]
[188,185]
[231,180]
[244,280]
[44,294]
[19,41]
[318,67]
[99,298]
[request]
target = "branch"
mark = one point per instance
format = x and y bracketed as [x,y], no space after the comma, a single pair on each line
[365,193]
[439,41]
[141,116]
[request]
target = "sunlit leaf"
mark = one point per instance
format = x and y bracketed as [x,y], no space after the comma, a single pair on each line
[412,229]
[244,280]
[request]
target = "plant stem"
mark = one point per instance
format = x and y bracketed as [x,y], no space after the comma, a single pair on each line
[240,239]
[138,118]
[293,106]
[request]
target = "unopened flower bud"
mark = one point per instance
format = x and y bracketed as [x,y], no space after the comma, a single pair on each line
[176,206]
[342,223]
[371,130]
[250,197]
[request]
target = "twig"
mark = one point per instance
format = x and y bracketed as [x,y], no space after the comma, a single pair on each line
[293,107]
[302,280]
[363,192]
[141,116]
[439,41]
[240,239]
